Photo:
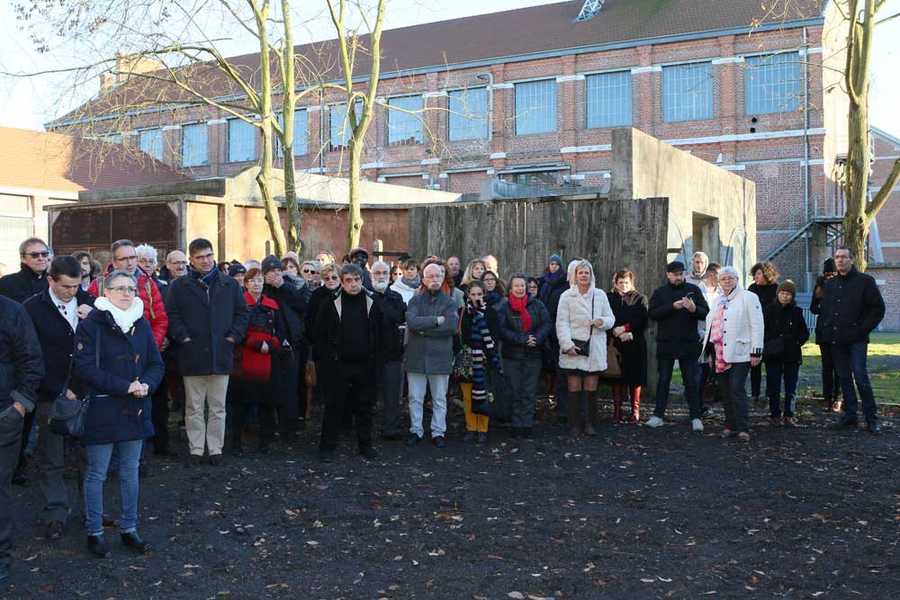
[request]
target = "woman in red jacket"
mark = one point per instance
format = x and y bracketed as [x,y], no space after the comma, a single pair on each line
[251,381]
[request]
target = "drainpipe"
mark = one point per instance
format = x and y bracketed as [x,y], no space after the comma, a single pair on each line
[490,79]
[322,135]
[806,150]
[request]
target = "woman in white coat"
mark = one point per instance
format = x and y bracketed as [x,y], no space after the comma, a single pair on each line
[582,319]
[734,343]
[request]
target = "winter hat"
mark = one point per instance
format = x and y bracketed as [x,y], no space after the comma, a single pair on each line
[830,266]
[236,270]
[789,287]
[555,258]
[675,266]
[356,251]
[270,262]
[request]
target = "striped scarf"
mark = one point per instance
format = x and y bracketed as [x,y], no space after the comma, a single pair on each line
[481,343]
[715,334]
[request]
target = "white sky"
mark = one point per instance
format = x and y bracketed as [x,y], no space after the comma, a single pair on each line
[28,103]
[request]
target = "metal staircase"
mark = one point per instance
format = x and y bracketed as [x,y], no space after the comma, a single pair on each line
[830,223]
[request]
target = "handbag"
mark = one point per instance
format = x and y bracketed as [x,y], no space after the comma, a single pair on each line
[67,416]
[584,346]
[311,376]
[462,365]
[613,362]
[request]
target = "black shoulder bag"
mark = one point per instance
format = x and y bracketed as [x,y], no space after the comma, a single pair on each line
[584,346]
[67,416]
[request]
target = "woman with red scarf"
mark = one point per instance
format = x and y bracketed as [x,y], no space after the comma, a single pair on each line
[251,383]
[524,324]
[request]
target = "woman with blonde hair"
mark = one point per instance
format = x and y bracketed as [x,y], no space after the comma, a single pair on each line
[583,316]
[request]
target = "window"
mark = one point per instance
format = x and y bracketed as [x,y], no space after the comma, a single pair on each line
[340,125]
[241,141]
[112,138]
[772,83]
[535,107]
[151,141]
[608,99]
[300,126]
[404,128]
[469,114]
[687,92]
[194,145]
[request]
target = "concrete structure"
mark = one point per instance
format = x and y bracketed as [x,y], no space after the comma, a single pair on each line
[228,211]
[736,84]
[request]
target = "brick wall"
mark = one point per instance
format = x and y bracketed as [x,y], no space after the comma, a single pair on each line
[888,280]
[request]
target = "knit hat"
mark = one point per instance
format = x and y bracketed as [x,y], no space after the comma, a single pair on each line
[675,266]
[789,287]
[236,270]
[830,266]
[270,262]
[555,258]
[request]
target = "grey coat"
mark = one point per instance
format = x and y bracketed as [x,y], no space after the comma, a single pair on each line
[430,346]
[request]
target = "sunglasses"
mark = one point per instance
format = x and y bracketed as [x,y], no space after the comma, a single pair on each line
[309,272]
[43,254]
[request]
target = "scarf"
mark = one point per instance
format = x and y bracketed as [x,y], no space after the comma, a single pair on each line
[715,333]
[125,319]
[412,284]
[631,298]
[520,306]
[481,343]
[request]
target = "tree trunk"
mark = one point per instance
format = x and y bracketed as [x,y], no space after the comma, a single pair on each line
[294,240]
[355,219]
[856,221]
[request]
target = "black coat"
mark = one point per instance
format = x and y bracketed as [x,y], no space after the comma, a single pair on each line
[393,315]
[114,415]
[23,285]
[327,336]
[785,332]
[293,305]
[634,353]
[766,293]
[206,315]
[57,340]
[312,313]
[676,333]
[515,338]
[852,307]
[21,363]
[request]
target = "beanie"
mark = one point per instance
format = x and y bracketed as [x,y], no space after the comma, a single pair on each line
[789,287]
[830,266]
[270,262]
[555,258]
[236,270]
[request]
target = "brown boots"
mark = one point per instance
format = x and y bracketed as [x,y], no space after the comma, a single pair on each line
[618,391]
[635,404]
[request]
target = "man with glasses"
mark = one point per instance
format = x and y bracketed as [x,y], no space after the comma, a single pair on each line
[176,266]
[125,258]
[347,347]
[390,368]
[431,320]
[852,307]
[208,317]
[56,314]
[19,287]
[32,276]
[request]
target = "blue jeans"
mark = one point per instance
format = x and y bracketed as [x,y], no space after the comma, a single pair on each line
[850,362]
[689,368]
[775,370]
[98,457]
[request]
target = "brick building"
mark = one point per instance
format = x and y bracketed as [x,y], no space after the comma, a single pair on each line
[532,95]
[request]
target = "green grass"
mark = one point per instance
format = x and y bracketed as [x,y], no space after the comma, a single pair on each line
[880,344]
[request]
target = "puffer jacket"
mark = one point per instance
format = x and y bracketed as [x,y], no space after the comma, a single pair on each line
[430,346]
[515,340]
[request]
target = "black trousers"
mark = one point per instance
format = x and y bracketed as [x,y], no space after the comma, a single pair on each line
[11,428]
[356,384]
[159,415]
[831,381]
[756,380]
[240,413]
[22,460]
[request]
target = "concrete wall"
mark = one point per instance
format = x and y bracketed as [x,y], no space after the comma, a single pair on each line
[710,209]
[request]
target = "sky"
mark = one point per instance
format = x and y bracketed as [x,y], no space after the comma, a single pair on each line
[30,102]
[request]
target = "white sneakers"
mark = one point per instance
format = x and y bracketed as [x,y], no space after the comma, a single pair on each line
[697,425]
[654,421]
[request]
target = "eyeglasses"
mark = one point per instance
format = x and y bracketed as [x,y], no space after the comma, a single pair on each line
[123,289]
[178,263]
[309,272]
[432,276]
[332,278]
[36,255]
[207,256]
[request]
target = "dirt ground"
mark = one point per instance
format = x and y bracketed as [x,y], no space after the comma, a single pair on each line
[632,513]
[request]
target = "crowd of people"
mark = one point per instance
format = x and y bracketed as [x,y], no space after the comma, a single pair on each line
[264,341]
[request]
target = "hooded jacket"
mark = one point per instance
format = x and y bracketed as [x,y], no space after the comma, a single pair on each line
[572,316]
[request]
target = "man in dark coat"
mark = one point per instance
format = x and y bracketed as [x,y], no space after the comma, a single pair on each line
[852,307]
[208,317]
[19,287]
[677,307]
[292,305]
[21,370]
[31,278]
[55,314]
[346,339]
[390,368]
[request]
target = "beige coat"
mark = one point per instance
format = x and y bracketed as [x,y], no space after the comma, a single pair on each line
[572,322]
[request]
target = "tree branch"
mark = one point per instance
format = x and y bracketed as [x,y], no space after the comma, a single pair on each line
[885,191]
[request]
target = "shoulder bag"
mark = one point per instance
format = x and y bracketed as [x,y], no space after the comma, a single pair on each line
[67,416]
[584,346]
